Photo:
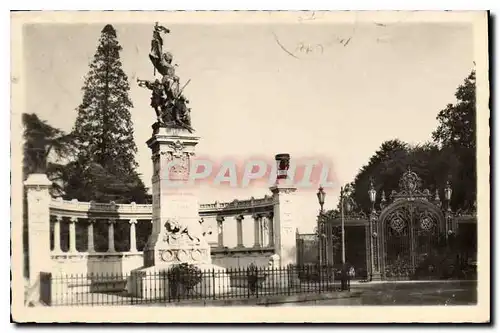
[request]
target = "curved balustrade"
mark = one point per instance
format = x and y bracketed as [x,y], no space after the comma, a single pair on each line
[237,204]
[254,216]
[75,208]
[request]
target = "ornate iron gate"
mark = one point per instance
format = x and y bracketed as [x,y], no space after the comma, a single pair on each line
[410,229]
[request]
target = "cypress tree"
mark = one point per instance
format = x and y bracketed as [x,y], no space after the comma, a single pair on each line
[105,168]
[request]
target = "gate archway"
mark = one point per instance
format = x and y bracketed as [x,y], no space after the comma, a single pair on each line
[410,229]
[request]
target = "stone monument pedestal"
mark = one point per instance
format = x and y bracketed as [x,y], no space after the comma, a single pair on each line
[152,283]
[177,236]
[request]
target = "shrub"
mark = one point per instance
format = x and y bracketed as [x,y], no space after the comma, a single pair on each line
[443,266]
[185,275]
[255,277]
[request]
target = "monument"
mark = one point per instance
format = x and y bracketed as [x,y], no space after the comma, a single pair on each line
[177,235]
[285,210]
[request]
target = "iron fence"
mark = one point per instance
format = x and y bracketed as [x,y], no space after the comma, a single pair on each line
[189,285]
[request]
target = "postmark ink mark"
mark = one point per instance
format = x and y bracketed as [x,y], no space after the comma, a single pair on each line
[282,47]
[312,17]
[309,48]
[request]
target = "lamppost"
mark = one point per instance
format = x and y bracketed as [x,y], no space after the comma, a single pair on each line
[447,196]
[321,198]
[320,228]
[372,194]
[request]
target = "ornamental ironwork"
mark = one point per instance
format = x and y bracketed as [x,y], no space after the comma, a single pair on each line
[410,182]
[410,188]
[427,221]
[409,228]
[335,215]
[397,224]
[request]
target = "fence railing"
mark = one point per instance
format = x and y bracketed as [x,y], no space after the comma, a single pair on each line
[188,285]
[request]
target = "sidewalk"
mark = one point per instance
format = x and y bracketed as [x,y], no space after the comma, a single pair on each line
[339,298]
[407,281]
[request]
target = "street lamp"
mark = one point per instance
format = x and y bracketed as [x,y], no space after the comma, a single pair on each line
[373,195]
[321,228]
[447,194]
[348,204]
[321,198]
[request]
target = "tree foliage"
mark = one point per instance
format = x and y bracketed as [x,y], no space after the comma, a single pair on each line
[46,149]
[451,156]
[105,167]
[456,133]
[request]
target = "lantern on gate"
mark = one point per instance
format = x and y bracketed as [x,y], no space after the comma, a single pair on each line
[321,198]
[373,194]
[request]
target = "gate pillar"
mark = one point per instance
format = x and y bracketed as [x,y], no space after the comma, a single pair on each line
[37,189]
[374,247]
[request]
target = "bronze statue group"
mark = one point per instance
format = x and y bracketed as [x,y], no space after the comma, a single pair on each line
[167,99]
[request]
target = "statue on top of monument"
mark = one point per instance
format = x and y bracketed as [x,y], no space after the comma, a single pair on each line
[158,58]
[166,98]
[158,97]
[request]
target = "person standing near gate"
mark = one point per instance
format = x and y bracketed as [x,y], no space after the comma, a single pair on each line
[351,275]
[344,276]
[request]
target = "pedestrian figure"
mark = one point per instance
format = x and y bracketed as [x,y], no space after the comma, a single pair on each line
[352,273]
[344,277]
[252,276]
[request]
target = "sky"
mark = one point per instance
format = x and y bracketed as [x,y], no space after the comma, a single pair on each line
[334,91]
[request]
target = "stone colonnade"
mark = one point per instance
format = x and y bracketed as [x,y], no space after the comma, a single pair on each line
[263,230]
[59,219]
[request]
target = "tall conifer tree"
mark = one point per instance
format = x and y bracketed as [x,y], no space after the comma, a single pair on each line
[105,167]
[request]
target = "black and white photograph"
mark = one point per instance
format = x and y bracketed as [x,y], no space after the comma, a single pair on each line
[223,161]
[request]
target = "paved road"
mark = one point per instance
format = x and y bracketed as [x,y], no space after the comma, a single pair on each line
[409,293]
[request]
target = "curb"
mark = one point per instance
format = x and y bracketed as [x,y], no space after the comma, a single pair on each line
[273,300]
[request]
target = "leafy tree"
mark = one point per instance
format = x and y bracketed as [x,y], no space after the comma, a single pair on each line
[434,166]
[93,182]
[456,132]
[457,122]
[105,168]
[451,157]
[46,148]
[390,159]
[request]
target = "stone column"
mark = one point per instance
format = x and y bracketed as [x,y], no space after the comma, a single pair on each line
[72,234]
[270,226]
[133,240]
[90,236]
[256,219]
[220,231]
[111,235]
[239,230]
[263,230]
[175,200]
[57,233]
[285,208]
[38,197]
